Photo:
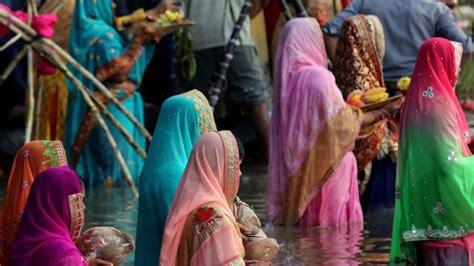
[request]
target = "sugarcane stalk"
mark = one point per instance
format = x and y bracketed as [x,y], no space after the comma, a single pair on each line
[90,103]
[218,79]
[10,42]
[300,9]
[13,65]
[26,30]
[30,96]
[40,47]
[39,97]
[285,10]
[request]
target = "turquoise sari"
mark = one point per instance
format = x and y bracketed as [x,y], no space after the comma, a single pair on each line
[93,42]
[183,119]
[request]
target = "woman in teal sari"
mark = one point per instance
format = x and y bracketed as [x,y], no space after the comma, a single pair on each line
[434,205]
[183,119]
[119,63]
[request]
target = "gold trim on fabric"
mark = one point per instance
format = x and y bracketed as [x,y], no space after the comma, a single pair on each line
[232,165]
[335,140]
[76,210]
[206,116]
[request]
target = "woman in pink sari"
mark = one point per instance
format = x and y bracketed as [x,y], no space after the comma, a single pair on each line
[201,228]
[313,172]
[52,221]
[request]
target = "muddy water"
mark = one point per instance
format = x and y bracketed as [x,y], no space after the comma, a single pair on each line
[347,245]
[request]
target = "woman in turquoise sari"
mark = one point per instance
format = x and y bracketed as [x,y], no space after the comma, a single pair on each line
[183,119]
[434,206]
[119,63]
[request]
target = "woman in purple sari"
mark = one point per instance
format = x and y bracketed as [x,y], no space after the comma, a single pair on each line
[52,221]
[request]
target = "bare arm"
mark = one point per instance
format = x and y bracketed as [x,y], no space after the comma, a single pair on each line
[331,44]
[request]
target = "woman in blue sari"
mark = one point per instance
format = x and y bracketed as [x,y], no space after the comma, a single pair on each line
[183,119]
[119,63]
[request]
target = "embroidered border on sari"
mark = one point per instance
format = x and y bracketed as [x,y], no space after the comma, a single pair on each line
[206,116]
[76,207]
[232,164]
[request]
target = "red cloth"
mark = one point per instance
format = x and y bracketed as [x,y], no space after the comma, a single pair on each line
[345,3]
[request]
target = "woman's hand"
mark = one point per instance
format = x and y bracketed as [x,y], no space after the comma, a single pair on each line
[99,262]
[394,107]
[154,32]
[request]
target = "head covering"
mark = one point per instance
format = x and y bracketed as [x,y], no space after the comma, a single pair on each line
[434,186]
[32,159]
[309,113]
[183,119]
[211,176]
[52,221]
[359,55]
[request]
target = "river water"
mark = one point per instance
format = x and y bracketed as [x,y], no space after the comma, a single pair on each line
[346,245]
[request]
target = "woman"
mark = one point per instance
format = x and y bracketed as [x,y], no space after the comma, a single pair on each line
[313,172]
[358,66]
[434,206]
[201,229]
[183,119]
[53,219]
[119,64]
[32,159]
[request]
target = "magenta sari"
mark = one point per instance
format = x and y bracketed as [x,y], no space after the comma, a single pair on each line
[313,172]
[52,221]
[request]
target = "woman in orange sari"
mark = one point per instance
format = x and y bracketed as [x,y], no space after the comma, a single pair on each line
[32,159]
[201,228]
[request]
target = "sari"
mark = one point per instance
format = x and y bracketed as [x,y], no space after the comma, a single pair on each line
[183,119]
[52,222]
[434,203]
[32,159]
[201,228]
[358,66]
[313,172]
[54,93]
[94,42]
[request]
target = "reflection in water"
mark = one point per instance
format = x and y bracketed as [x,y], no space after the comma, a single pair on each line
[345,245]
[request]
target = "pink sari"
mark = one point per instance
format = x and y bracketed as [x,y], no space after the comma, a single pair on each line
[313,173]
[201,228]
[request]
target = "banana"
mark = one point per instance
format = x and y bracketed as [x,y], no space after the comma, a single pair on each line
[375,91]
[374,98]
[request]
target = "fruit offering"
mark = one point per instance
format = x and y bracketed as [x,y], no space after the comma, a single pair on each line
[170,17]
[375,96]
[354,98]
[403,83]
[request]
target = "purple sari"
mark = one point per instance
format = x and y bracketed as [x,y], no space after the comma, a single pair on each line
[52,221]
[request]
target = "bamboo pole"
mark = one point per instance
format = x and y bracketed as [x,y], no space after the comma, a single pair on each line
[300,9]
[13,65]
[285,10]
[10,42]
[44,52]
[31,33]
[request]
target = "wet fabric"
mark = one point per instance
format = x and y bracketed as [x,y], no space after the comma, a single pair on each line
[434,199]
[52,221]
[32,159]
[201,228]
[312,128]
[183,119]
[93,43]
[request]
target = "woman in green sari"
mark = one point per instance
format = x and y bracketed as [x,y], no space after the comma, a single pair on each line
[434,206]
